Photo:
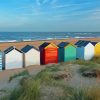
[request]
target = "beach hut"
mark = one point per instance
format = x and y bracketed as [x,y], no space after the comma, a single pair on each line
[48,53]
[1,57]
[79,54]
[31,55]
[13,58]
[85,50]
[66,52]
[97,48]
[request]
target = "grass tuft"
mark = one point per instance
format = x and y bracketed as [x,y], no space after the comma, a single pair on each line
[31,90]
[23,73]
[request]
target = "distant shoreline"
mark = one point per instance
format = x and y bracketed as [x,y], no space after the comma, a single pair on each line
[16,41]
[36,43]
[40,36]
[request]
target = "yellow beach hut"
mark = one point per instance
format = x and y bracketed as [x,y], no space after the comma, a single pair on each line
[97,48]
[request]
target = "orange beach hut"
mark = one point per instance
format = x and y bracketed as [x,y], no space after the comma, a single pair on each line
[48,53]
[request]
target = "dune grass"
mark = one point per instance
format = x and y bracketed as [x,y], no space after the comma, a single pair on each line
[80,94]
[15,94]
[94,93]
[23,73]
[68,93]
[96,60]
[32,88]
[93,64]
[4,98]
[29,90]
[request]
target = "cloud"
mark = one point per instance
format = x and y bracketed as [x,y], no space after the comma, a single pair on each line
[41,2]
[67,5]
[71,5]
[81,15]
[95,14]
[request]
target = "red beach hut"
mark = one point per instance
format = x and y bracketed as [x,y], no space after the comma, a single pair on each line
[48,53]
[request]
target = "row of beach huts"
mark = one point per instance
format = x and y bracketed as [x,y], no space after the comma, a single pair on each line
[13,58]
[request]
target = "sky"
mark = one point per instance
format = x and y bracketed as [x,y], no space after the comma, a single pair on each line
[50,15]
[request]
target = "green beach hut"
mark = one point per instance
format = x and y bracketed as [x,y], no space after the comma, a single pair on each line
[66,52]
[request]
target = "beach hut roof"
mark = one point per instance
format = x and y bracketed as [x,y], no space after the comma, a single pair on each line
[94,43]
[83,43]
[10,49]
[77,43]
[63,44]
[44,45]
[27,48]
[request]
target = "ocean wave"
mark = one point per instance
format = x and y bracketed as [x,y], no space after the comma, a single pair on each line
[8,40]
[82,37]
[27,40]
[67,36]
[49,38]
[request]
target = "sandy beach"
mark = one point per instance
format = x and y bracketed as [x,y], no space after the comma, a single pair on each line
[20,45]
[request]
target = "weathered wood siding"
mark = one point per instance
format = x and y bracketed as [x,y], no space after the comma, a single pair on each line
[51,55]
[32,57]
[1,61]
[13,60]
[70,53]
[97,50]
[89,52]
[80,53]
[61,54]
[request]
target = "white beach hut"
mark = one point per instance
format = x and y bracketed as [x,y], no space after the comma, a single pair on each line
[85,50]
[13,58]
[31,55]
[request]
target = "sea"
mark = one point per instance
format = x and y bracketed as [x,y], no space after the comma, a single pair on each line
[32,36]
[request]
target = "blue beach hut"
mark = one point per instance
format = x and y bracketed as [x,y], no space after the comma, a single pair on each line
[85,50]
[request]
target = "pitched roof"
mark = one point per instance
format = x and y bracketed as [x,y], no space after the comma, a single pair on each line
[10,49]
[94,43]
[83,43]
[80,41]
[27,48]
[44,45]
[63,44]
